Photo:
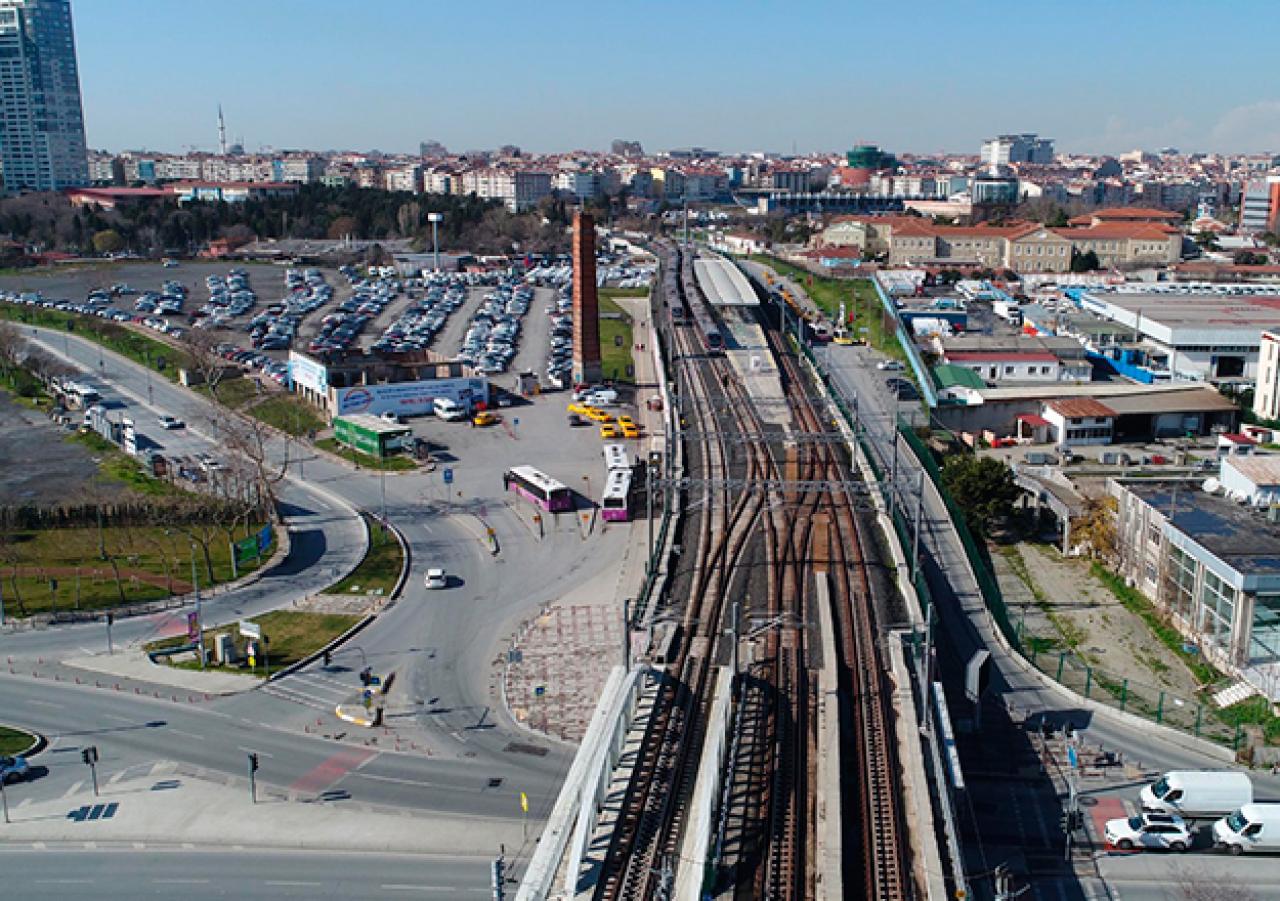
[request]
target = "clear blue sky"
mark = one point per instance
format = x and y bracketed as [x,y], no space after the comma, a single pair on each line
[925,76]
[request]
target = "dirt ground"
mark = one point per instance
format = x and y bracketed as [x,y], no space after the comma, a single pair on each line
[36,465]
[1057,597]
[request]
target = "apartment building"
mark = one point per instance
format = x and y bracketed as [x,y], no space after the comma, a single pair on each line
[518,189]
[1260,205]
[302,169]
[404,178]
[1023,148]
[1266,397]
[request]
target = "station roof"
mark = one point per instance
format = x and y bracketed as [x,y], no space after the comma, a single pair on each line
[723,284]
[949,376]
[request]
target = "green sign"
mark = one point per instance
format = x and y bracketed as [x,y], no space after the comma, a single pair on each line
[247,549]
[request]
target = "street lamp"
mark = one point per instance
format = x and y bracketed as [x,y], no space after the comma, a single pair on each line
[435,219]
[195,581]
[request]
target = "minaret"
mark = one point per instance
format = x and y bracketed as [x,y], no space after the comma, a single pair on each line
[222,132]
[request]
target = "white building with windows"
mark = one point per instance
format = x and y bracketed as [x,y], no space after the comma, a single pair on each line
[1211,566]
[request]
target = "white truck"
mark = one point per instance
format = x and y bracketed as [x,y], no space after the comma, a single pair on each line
[1198,793]
[1254,827]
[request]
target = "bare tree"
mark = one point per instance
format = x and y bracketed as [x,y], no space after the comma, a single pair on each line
[201,347]
[11,556]
[13,347]
[260,451]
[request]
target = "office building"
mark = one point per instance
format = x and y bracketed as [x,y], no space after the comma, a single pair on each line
[1025,148]
[42,144]
[586,304]
[1260,205]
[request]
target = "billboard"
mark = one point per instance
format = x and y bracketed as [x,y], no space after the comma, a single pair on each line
[309,373]
[409,398]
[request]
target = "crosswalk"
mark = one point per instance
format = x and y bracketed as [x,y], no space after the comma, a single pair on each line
[316,689]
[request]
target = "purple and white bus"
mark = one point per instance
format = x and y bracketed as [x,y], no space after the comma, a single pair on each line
[543,490]
[616,501]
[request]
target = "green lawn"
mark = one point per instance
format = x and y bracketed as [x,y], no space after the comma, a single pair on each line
[380,569]
[615,359]
[288,414]
[290,636]
[232,392]
[64,569]
[117,466]
[390,464]
[859,297]
[15,741]
[138,347]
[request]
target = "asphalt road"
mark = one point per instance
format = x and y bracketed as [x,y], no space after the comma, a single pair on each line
[196,875]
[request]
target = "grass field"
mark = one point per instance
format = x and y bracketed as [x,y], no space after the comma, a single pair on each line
[117,466]
[63,569]
[14,741]
[290,636]
[858,295]
[379,571]
[288,414]
[364,461]
[615,336]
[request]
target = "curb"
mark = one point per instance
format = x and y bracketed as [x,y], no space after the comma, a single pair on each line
[407,564]
[353,718]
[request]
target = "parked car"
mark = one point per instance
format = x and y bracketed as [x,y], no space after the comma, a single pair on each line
[484,417]
[1150,830]
[890,365]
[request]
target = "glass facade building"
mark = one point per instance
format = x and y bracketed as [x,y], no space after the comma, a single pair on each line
[42,143]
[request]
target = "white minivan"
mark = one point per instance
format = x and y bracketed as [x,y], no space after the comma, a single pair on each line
[1198,793]
[449,410]
[1254,827]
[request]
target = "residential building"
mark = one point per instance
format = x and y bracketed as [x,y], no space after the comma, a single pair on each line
[518,189]
[1024,148]
[1040,250]
[42,144]
[1260,205]
[1211,566]
[179,168]
[302,169]
[404,178]
[1266,394]
[1079,421]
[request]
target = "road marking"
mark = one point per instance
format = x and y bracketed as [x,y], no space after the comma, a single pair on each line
[294,882]
[253,751]
[180,881]
[139,846]
[401,887]
[191,735]
[39,846]
[23,803]
[73,789]
[330,771]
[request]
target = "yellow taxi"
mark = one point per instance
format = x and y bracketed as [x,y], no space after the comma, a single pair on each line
[608,431]
[627,422]
[596,415]
[484,417]
[580,409]
[630,431]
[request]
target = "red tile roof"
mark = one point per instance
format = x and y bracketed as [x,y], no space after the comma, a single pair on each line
[1079,407]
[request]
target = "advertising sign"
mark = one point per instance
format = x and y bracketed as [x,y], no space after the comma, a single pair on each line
[410,398]
[246,549]
[308,373]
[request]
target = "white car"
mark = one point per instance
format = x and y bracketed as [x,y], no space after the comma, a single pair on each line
[1164,831]
[435,578]
[171,422]
[890,365]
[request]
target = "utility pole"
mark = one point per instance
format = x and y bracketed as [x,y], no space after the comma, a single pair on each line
[195,581]
[626,634]
[648,493]
[500,874]
[915,540]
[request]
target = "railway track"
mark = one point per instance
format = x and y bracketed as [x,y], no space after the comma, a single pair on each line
[768,807]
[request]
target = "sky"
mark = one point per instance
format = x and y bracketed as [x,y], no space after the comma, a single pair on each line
[1098,76]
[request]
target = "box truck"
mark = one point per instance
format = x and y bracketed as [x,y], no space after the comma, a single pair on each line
[1198,793]
[1254,827]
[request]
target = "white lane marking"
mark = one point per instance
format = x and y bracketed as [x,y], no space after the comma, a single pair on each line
[23,803]
[64,881]
[252,751]
[191,735]
[73,789]
[401,887]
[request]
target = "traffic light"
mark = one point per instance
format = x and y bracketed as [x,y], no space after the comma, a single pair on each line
[89,754]
[253,763]
[366,675]
[111,618]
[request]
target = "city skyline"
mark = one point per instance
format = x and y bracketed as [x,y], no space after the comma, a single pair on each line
[576,77]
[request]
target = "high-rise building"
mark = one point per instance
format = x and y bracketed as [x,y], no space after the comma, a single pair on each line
[586,303]
[1025,148]
[42,144]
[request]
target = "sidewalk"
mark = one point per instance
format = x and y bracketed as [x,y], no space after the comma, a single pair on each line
[135,665]
[170,805]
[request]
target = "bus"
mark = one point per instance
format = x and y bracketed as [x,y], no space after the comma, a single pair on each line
[615,457]
[543,490]
[617,496]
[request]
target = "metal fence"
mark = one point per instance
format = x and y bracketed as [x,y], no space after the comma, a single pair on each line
[908,346]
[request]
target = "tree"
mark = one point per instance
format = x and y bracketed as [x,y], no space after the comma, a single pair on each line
[12,347]
[201,346]
[983,487]
[342,227]
[1248,258]
[1085,262]
[1206,240]
[107,241]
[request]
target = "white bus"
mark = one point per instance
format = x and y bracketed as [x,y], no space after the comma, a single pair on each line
[615,457]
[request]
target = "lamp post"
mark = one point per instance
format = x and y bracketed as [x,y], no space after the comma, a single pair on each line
[195,581]
[435,219]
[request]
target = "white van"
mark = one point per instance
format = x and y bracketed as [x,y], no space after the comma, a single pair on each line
[1254,827]
[1193,793]
[449,410]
